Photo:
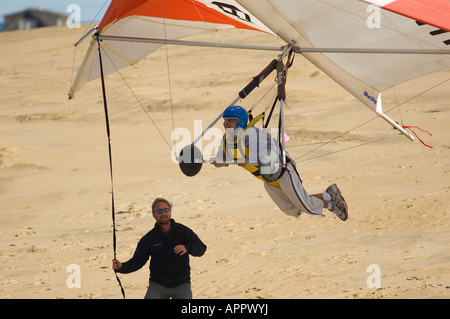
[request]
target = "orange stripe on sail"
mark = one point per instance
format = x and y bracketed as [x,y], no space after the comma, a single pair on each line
[432,12]
[184,10]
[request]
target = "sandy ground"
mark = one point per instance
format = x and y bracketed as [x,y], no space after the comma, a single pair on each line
[55,185]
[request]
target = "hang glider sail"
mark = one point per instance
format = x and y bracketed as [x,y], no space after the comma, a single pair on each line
[132,29]
[365,51]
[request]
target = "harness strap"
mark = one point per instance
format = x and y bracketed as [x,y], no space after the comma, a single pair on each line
[255,120]
[243,151]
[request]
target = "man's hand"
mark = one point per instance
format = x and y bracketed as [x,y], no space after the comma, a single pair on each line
[116,265]
[180,250]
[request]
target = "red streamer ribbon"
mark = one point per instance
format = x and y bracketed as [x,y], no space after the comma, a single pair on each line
[411,129]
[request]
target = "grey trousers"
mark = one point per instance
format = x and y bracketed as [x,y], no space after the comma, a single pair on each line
[291,197]
[157,291]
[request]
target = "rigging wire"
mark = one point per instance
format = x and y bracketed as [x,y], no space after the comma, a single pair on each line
[421,93]
[168,74]
[170,91]
[73,65]
[398,106]
[138,100]
[334,139]
[221,51]
[364,123]
[93,19]
[346,149]
[263,97]
[320,143]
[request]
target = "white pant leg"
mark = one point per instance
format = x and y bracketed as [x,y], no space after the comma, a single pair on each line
[281,200]
[292,187]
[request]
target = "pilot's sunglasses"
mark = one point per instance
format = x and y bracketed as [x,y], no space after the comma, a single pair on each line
[162,210]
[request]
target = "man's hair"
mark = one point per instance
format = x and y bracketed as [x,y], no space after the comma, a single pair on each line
[160,199]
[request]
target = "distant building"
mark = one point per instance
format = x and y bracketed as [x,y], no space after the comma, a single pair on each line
[33,18]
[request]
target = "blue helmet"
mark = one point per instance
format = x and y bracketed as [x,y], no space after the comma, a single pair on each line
[236,112]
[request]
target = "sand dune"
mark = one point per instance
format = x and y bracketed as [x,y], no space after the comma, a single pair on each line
[55,186]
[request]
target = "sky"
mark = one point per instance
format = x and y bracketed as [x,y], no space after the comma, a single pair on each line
[88,8]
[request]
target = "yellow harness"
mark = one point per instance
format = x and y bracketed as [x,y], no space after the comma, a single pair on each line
[238,151]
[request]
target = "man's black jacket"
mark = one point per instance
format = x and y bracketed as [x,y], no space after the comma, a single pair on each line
[166,267]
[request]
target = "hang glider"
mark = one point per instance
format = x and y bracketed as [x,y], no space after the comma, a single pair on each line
[406,39]
[411,38]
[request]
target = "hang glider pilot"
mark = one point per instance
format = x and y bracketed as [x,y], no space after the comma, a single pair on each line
[257,152]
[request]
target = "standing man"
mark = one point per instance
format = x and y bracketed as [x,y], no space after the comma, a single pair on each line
[169,244]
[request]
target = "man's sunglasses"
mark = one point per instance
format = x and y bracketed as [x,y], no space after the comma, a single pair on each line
[162,210]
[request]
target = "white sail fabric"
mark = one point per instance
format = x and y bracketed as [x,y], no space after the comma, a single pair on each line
[353,24]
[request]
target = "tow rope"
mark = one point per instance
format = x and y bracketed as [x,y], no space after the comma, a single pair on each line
[110,163]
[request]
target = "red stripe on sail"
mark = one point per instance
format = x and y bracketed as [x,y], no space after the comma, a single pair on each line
[185,10]
[432,12]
